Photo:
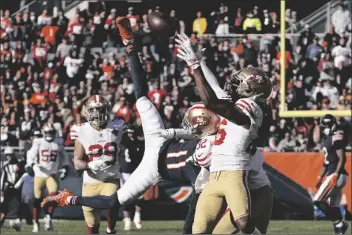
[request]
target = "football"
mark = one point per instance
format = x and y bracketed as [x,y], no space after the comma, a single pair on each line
[161,24]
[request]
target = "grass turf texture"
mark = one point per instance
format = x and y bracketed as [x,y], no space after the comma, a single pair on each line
[175,227]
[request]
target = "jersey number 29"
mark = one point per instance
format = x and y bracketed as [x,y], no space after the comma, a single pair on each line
[96,150]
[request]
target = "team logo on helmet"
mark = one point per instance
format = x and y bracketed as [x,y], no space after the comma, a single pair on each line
[200,121]
[257,78]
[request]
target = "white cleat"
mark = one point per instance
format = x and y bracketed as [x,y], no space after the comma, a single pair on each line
[128,223]
[137,220]
[48,223]
[17,225]
[35,227]
[109,231]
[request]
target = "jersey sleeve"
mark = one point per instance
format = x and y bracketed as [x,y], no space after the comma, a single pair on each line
[203,152]
[32,153]
[338,140]
[74,132]
[255,114]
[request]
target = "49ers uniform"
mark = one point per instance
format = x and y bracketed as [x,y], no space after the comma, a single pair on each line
[230,164]
[102,182]
[46,158]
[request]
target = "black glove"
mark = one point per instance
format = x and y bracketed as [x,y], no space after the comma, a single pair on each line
[29,170]
[63,172]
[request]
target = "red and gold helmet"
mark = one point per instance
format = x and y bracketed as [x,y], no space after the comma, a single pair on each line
[97,110]
[249,82]
[201,120]
[49,132]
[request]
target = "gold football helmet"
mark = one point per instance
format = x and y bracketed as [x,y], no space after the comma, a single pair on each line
[49,132]
[97,110]
[249,82]
[201,120]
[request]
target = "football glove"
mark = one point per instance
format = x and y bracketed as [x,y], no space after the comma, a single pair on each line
[63,172]
[29,170]
[100,164]
[186,52]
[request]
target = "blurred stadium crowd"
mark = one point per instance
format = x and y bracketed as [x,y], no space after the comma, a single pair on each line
[50,65]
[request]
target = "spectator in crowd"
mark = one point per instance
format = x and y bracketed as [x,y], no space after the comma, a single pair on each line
[44,19]
[341,18]
[314,50]
[252,24]
[199,24]
[238,21]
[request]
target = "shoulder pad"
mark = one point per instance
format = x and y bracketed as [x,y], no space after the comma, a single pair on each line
[75,130]
[251,109]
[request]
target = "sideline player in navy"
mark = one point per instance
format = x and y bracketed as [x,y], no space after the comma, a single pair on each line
[131,156]
[329,194]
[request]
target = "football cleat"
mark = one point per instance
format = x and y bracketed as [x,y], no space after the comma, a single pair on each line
[35,227]
[109,231]
[48,224]
[137,220]
[59,200]
[125,29]
[128,222]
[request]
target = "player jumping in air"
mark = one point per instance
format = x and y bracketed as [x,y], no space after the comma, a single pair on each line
[329,194]
[171,154]
[241,119]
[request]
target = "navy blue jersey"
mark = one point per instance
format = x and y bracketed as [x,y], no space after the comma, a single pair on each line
[330,145]
[131,154]
[172,161]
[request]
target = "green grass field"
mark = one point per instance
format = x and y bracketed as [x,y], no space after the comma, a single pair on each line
[175,227]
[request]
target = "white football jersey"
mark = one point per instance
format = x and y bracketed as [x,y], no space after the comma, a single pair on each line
[46,156]
[99,143]
[231,146]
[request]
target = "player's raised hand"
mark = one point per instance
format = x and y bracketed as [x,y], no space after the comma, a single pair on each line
[186,52]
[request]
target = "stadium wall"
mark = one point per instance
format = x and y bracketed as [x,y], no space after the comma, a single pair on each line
[304,168]
[293,177]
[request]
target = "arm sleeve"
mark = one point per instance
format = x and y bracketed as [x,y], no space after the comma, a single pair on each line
[32,154]
[203,152]
[183,133]
[74,132]
[3,180]
[255,114]
[213,82]
[201,180]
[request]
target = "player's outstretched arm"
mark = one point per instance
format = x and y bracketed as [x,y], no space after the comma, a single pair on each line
[213,82]
[223,107]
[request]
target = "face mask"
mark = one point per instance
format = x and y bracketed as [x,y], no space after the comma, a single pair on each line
[32,18]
